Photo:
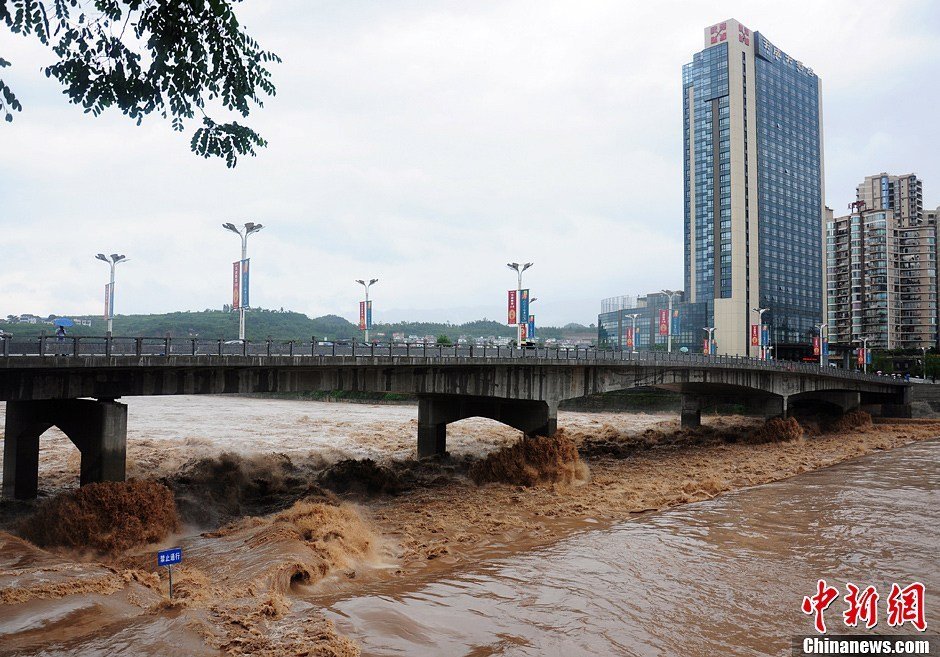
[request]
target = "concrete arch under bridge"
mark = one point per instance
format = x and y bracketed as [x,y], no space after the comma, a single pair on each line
[523,390]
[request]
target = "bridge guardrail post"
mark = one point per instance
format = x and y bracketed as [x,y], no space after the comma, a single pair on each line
[74,345]
[107,346]
[6,346]
[353,348]
[244,347]
[290,348]
[42,345]
[220,346]
[167,345]
[268,346]
[138,346]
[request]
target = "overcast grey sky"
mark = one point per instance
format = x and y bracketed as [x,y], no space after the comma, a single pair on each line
[427,144]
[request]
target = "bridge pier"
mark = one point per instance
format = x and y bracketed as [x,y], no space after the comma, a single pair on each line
[690,416]
[97,428]
[767,407]
[435,412]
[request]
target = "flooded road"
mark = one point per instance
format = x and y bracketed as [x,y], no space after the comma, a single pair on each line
[725,576]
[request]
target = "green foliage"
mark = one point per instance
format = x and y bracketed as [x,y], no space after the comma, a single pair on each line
[444,340]
[146,56]
[261,324]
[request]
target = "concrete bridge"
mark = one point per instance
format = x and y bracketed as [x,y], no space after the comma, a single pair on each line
[74,385]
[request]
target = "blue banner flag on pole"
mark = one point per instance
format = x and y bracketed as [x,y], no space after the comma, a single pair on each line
[369,314]
[523,305]
[531,332]
[245,301]
[675,322]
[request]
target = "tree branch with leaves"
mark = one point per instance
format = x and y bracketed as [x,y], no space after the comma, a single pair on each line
[177,59]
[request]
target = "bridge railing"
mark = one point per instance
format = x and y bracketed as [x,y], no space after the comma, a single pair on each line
[91,346]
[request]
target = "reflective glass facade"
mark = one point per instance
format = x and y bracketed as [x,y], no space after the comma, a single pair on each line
[705,85]
[789,176]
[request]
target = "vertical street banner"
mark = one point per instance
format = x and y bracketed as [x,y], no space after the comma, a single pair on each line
[531,331]
[236,284]
[245,302]
[706,347]
[755,335]
[629,332]
[675,322]
[522,328]
[108,301]
[868,356]
[369,315]
[523,306]
[824,348]
[512,309]
[664,322]
[764,335]
[861,356]
[816,348]
[362,315]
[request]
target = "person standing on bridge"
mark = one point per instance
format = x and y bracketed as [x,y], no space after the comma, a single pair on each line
[60,339]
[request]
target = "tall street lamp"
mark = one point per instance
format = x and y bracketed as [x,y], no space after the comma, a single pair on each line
[711,338]
[823,356]
[250,228]
[112,263]
[519,269]
[366,321]
[671,294]
[864,342]
[633,317]
[760,332]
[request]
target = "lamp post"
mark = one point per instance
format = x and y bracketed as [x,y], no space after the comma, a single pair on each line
[633,317]
[250,228]
[671,294]
[864,342]
[112,262]
[710,330]
[519,269]
[760,331]
[366,286]
[822,348]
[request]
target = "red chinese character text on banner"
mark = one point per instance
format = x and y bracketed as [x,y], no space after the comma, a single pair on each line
[862,607]
[664,322]
[755,335]
[817,604]
[513,318]
[907,606]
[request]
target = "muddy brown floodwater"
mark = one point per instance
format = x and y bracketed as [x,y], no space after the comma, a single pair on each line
[317,533]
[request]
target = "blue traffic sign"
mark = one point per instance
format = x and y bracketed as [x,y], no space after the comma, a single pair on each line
[169,557]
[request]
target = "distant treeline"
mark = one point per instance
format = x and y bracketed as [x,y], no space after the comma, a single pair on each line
[277,325]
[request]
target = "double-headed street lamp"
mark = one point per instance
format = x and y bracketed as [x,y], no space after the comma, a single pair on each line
[710,330]
[823,356]
[365,319]
[864,342]
[112,262]
[519,319]
[760,332]
[671,294]
[250,228]
[633,317]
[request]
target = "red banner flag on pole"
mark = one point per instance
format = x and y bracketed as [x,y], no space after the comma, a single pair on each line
[362,315]
[630,337]
[513,317]
[816,346]
[664,322]
[236,284]
[755,335]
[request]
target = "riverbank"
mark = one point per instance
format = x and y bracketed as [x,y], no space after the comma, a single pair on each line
[246,588]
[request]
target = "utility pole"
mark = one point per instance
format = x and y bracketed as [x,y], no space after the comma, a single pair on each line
[823,356]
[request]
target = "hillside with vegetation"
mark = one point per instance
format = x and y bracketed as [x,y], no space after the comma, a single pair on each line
[280,325]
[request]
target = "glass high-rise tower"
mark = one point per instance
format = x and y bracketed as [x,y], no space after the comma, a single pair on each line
[754,208]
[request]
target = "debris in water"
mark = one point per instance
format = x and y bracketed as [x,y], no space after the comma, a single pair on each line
[532,460]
